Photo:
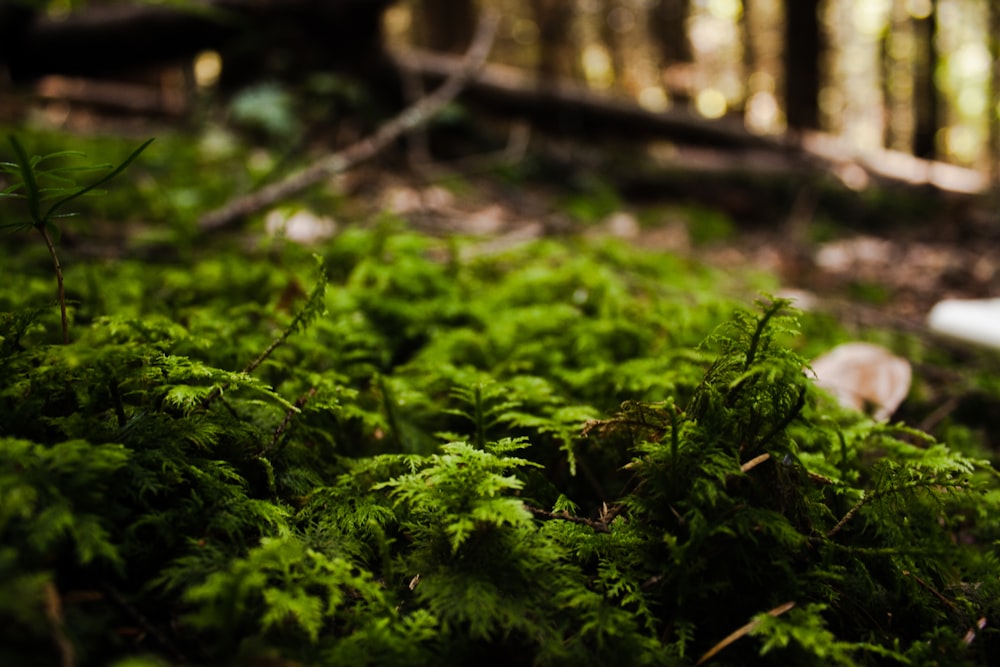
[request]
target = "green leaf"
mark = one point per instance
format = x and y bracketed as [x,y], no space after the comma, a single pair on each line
[101,181]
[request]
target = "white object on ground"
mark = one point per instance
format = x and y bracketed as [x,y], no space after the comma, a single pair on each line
[300,226]
[865,377]
[970,320]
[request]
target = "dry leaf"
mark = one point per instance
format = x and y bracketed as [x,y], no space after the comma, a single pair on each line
[865,377]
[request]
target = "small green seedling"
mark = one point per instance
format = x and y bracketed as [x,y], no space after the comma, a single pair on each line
[39,185]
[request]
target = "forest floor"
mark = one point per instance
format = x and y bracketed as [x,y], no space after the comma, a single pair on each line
[523,342]
[888,274]
[872,270]
[889,278]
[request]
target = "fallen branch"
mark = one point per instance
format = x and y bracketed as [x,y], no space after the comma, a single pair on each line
[597,526]
[544,101]
[522,92]
[412,117]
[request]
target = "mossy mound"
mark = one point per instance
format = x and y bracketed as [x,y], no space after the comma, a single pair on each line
[569,452]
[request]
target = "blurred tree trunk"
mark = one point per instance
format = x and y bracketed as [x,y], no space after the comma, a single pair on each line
[666,22]
[557,55]
[749,44]
[803,55]
[446,25]
[897,78]
[993,105]
[762,26]
[668,26]
[612,38]
[926,121]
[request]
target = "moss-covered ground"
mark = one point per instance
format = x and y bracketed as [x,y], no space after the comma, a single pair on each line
[391,448]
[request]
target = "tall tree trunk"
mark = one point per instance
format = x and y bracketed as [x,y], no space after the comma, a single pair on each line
[994,96]
[668,26]
[803,55]
[926,120]
[750,59]
[897,78]
[557,55]
[612,39]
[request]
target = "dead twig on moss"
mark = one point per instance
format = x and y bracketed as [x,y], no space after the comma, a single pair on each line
[57,626]
[411,118]
[933,591]
[287,421]
[600,526]
[742,632]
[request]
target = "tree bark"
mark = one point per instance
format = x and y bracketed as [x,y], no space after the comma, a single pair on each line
[897,74]
[993,105]
[750,59]
[612,40]
[668,25]
[926,119]
[803,55]
[556,44]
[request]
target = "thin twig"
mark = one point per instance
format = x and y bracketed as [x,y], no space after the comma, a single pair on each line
[754,462]
[871,496]
[867,498]
[283,426]
[412,117]
[598,526]
[116,399]
[935,592]
[59,281]
[742,632]
[800,403]
[608,515]
[971,634]
[939,414]
[57,626]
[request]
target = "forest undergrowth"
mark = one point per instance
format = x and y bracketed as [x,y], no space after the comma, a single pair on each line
[386,451]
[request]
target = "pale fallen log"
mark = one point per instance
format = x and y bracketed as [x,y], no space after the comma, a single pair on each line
[410,118]
[513,90]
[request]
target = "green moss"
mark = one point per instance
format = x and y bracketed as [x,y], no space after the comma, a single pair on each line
[706,225]
[570,452]
[869,292]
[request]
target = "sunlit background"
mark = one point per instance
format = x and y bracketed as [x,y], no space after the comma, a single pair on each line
[732,62]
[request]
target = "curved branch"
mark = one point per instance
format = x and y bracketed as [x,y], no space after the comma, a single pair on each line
[407,120]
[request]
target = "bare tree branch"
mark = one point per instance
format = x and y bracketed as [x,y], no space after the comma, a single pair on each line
[407,120]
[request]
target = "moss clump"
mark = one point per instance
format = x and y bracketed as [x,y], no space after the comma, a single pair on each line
[393,459]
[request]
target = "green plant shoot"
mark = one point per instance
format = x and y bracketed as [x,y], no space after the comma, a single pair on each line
[40,184]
